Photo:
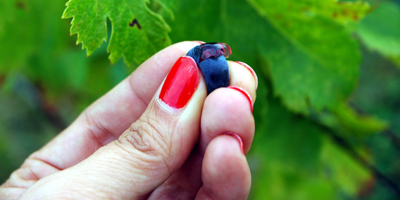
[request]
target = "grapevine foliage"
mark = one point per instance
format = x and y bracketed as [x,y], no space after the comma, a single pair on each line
[307,55]
[318,68]
[137,32]
[380,31]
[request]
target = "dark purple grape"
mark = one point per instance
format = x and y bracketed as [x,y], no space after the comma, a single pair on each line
[210,57]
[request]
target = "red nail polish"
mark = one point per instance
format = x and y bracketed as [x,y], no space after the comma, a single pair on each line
[238,138]
[180,83]
[250,69]
[245,94]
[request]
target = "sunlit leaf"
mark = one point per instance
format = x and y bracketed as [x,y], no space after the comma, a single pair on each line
[318,68]
[137,32]
[358,124]
[380,31]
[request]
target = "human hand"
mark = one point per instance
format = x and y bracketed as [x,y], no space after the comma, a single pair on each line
[190,153]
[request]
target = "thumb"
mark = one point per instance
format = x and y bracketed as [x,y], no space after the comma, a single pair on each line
[146,154]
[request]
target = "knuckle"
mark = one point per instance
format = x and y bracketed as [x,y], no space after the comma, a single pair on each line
[147,136]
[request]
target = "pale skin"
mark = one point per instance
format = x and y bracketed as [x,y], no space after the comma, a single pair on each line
[125,146]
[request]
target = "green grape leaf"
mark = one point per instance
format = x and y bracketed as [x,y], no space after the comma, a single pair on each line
[288,139]
[164,8]
[343,12]
[317,68]
[275,181]
[344,171]
[137,31]
[346,121]
[295,159]
[356,124]
[18,19]
[287,149]
[380,31]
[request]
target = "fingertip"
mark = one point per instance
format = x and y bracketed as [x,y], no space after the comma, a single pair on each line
[245,93]
[227,110]
[243,76]
[239,139]
[250,69]
[225,172]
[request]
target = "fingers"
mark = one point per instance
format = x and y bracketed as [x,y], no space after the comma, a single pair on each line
[225,172]
[147,153]
[226,110]
[243,76]
[107,118]
[216,120]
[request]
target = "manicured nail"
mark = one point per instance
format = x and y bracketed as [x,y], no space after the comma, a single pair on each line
[245,94]
[238,138]
[250,69]
[180,83]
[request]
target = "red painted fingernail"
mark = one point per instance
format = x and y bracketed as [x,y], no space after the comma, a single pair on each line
[250,69]
[245,94]
[180,83]
[238,138]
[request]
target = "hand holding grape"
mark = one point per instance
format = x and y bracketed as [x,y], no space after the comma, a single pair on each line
[151,137]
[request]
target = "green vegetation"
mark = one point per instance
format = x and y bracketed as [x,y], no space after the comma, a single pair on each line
[327,109]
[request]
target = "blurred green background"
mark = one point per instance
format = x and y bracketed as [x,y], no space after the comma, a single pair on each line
[328,102]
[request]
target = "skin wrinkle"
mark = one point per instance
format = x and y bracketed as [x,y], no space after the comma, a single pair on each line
[135,93]
[140,136]
[19,177]
[17,181]
[143,163]
[34,174]
[147,126]
[160,138]
[34,158]
[192,174]
[96,130]
[141,141]
[171,126]
[156,125]
[14,178]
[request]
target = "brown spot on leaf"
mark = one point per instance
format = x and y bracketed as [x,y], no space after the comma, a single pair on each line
[345,12]
[2,79]
[135,22]
[20,5]
[367,188]
[355,17]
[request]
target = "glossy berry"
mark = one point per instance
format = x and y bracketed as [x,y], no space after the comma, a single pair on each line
[210,58]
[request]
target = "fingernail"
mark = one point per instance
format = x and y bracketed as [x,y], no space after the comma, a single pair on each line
[245,94]
[238,138]
[250,69]
[180,83]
